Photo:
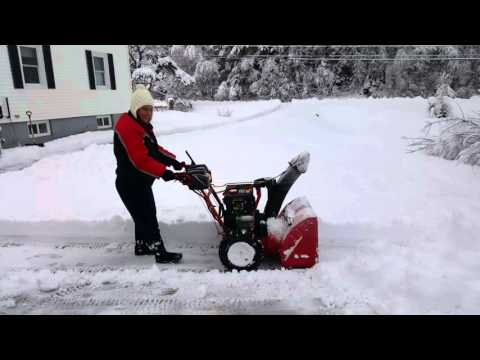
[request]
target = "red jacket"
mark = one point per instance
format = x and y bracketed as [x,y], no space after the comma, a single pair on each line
[139,157]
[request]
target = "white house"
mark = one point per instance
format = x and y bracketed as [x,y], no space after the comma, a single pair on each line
[68,89]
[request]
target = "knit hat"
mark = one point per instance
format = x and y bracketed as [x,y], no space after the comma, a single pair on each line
[140,97]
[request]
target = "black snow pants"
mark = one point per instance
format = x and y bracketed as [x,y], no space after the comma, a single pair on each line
[140,203]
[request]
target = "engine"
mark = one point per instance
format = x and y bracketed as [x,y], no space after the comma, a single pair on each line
[240,209]
[241,248]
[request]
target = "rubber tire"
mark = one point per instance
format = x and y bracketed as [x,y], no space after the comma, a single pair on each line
[257,259]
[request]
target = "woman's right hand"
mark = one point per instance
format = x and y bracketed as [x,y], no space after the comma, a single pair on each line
[168,175]
[178,165]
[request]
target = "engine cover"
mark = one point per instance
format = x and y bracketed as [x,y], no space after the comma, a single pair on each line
[239,206]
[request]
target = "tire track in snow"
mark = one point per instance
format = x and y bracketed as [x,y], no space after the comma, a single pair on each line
[159,303]
[220,124]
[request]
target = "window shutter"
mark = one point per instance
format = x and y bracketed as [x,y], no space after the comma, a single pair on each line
[47,57]
[15,66]
[91,75]
[111,70]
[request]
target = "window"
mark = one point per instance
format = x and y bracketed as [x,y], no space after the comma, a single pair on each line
[104,122]
[39,128]
[32,65]
[99,68]
[30,68]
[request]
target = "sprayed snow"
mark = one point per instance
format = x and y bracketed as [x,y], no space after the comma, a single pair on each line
[301,161]
[277,227]
[297,211]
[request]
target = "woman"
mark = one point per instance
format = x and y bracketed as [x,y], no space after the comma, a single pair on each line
[140,160]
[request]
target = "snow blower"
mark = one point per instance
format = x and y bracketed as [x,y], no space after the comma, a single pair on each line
[249,235]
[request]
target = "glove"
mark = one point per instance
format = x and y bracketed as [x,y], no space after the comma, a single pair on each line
[178,165]
[168,175]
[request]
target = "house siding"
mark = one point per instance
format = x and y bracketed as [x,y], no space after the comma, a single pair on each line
[72,95]
[16,134]
[72,106]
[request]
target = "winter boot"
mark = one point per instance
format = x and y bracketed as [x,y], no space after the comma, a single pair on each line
[162,256]
[142,248]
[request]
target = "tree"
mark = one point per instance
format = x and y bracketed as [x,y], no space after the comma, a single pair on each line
[144,75]
[207,78]
[222,92]
[324,80]
[171,79]
[287,72]
[145,55]
[186,56]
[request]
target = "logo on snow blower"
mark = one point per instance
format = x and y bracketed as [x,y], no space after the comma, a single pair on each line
[289,251]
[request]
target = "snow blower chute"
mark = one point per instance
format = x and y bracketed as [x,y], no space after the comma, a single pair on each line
[248,234]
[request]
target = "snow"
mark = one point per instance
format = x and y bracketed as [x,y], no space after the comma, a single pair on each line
[398,231]
[145,72]
[301,162]
[20,157]
[185,78]
[297,211]
[277,227]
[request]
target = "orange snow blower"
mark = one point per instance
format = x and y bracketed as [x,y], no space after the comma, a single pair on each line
[249,235]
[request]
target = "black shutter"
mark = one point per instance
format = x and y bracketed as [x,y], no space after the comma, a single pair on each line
[47,57]
[111,70]
[91,75]
[15,66]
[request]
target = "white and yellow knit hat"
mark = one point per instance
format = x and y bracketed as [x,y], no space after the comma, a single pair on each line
[140,97]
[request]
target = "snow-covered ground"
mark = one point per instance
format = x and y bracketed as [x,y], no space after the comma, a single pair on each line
[398,231]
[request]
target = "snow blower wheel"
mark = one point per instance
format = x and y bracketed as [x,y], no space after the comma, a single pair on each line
[240,255]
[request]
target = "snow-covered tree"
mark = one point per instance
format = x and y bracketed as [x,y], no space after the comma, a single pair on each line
[324,80]
[207,78]
[235,91]
[165,77]
[297,71]
[222,92]
[144,75]
[452,139]
[145,55]
[440,105]
[186,56]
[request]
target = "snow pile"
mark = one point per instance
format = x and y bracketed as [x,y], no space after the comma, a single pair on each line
[20,157]
[46,282]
